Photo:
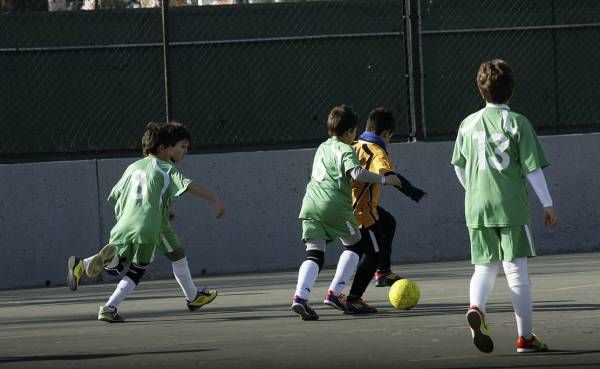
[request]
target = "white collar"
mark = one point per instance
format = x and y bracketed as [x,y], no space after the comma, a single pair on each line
[499,106]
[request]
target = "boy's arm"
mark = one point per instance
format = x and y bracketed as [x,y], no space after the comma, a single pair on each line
[362,175]
[407,188]
[538,182]
[205,194]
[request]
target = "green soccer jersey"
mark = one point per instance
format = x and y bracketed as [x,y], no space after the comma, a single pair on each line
[141,197]
[328,197]
[497,148]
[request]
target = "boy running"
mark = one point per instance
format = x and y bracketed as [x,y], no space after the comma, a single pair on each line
[377,226]
[169,244]
[141,197]
[326,211]
[495,150]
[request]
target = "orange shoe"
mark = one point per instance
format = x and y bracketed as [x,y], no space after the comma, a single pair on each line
[534,344]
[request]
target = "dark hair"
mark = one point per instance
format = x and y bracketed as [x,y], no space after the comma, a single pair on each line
[155,135]
[380,120]
[341,119]
[178,132]
[495,81]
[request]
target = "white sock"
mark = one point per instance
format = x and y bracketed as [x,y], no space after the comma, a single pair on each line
[113,263]
[182,274]
[345,267]
[86,262]
[124,288]
[307,276]
[482,284]
[517,277]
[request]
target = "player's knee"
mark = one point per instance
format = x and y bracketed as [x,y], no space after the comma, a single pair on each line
[176,255]
[136,272]
[356,248]
[517,277]
[317,256]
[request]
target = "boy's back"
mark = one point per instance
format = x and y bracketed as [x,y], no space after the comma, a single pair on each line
[141,197]
[328,194]
[497,148]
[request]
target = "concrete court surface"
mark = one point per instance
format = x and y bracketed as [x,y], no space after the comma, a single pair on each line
[250,324]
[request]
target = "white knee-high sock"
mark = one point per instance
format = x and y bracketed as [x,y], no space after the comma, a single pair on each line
[124,288]
[482,284]
[307,276]
[519,283]
[345,267]
[182,274]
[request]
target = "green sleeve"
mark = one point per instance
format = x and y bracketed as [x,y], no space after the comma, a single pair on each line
[531,152]
[349,158]
[179,183]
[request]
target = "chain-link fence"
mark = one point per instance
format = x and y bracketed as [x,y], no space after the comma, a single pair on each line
[551,45]
[241,75]
[84,76]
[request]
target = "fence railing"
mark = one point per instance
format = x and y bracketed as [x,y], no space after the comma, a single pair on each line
[264,75]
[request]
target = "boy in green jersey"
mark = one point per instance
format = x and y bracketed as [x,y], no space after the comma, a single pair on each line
[326,212]
[141,197]
[496,150]
[169,244]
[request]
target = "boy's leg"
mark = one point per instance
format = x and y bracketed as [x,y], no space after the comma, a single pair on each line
[310,268]
[96,263]
[517,245]
[370,248]
[307,276]
[485,254]
[170,246]
[142,256]
[91,266]
[482,284]
[519,284]
[125,287]
[346,264]
[195,298]
[387,227]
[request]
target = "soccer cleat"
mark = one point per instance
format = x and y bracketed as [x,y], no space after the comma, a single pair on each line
[75,271]
[359,307]
[203,297]
[386,279]
[100,260]
[534,344]
[336,302]
[479,330]
[300,306]
[109,314]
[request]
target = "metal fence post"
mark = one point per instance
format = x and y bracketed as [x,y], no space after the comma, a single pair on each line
[414,69]
[165,42]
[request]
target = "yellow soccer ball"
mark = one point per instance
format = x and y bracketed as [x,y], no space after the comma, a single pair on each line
[404,294]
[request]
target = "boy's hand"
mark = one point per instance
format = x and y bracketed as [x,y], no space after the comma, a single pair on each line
[219,208]
[393,181]
[550,217]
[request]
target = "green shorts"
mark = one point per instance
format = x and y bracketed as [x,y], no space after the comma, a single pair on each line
[169,242]
[137,253]
[489,244]
[316,230]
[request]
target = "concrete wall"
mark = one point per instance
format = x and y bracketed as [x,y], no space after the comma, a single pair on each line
[49,211]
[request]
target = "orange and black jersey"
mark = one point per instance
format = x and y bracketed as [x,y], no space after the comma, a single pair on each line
[365,196]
